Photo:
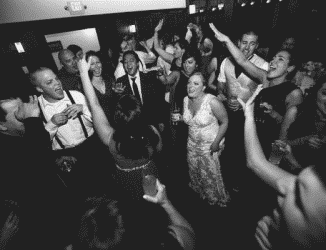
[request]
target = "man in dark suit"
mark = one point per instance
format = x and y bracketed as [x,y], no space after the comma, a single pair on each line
[146,87]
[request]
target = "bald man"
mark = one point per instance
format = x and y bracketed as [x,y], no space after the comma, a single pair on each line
[69,74]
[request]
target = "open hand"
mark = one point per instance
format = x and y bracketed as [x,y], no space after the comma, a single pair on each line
[159,26]
[118,87]
[83,65]
[144,44]
[219,36]
[315,142]
[29,109]
[73,110]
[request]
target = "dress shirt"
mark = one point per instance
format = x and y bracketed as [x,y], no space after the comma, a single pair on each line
[70,134]
[137,83]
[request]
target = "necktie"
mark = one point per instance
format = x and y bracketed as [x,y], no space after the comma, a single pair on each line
[135,88]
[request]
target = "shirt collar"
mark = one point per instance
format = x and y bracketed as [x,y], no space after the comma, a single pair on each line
[137,76]
[45,103]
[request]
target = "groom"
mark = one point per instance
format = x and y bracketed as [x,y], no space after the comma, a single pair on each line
[145,87]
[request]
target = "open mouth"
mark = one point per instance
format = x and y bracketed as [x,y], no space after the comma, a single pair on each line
[59,90]
[272,68]
[97,72]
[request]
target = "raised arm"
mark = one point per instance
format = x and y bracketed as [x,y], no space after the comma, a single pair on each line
[162,53]
[101,123]
[269,173]
[180,226]
[170,79]
[148,57]
[252,70]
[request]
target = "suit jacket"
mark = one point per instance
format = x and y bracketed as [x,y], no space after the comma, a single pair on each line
[153,92]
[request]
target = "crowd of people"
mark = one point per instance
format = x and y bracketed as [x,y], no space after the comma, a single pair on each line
[89,157]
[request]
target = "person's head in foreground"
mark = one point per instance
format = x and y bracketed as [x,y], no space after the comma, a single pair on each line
[120,224]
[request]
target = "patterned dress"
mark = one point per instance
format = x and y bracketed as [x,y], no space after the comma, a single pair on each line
[204,168]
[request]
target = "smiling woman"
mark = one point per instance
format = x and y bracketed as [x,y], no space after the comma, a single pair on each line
[298,221]
[275,121]
[207,120]
[102,80]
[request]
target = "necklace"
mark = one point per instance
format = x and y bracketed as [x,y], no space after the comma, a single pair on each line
[133,169]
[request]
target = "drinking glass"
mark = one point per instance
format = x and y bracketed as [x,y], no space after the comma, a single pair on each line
[175,116]
[277,154]
[149,185]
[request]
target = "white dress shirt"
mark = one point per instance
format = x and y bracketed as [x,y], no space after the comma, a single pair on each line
[137,83]
[70,134]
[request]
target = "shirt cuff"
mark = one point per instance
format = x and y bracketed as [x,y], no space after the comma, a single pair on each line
[50,126]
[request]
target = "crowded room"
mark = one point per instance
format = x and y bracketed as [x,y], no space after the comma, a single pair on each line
[176,124]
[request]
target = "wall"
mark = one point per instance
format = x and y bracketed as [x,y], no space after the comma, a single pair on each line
[87,39]
[30,10]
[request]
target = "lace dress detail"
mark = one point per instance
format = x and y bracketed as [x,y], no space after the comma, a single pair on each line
[204,168]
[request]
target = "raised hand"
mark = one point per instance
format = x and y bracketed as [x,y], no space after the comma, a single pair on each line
[83,65]
[248,107]
[29,109]
[73,110]
[315,142]
[219,36]
[159,26]
[160,196]
[144,44]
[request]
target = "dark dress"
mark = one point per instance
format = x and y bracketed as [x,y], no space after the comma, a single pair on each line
[106,100]
[308,123]
[267,128]
[130,169]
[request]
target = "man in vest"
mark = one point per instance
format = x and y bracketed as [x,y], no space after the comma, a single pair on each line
[69,122]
